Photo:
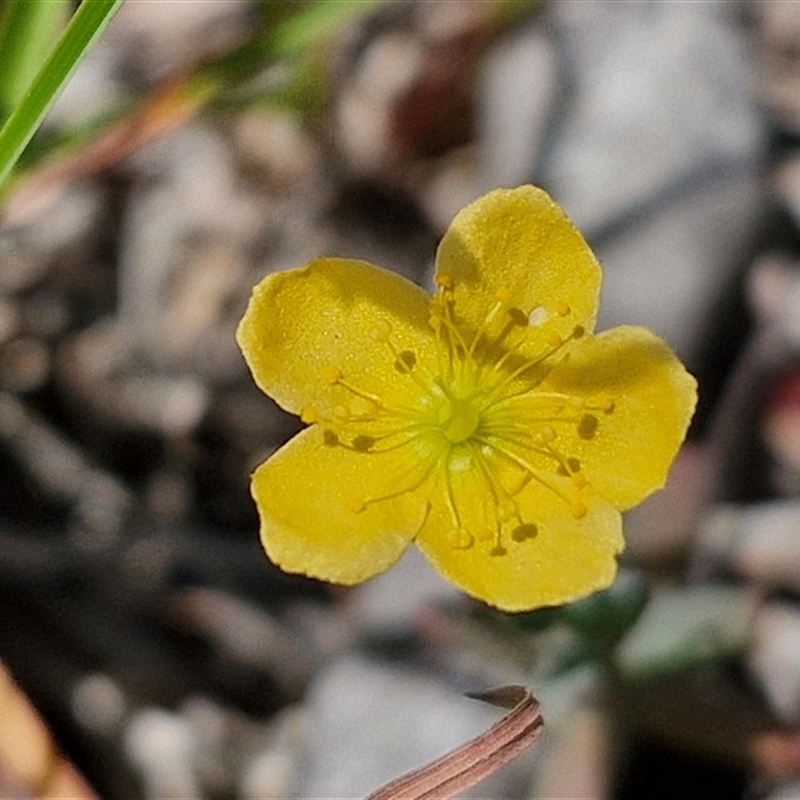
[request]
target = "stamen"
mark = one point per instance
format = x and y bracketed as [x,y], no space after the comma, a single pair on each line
[574,464]
[564,468]
[451,327]
[544,436]
[363,444]
[340,415]
[332,375]
[562,308]
[416,431]
[363,409]
[487,535]
[406,361]
[538,316]
[527,530]
[554,339]
[309,415]
[381,331]
[579,480]
[480,333]
[460,539]
[532,473]
[426,473]
[518,317]
[373,398]
[602,402]
[579,509]
[587,427]
[505,508]
[451,502]
[541,443]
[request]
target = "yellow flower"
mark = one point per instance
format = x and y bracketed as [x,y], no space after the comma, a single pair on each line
[486,422]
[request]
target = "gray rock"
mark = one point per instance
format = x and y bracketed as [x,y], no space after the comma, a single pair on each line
[369,723]
[774,658]
[638,118]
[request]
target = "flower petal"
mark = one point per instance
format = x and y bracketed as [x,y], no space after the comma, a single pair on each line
[303,327]
[562,558]
[649,399]
[519,244]
[310,498]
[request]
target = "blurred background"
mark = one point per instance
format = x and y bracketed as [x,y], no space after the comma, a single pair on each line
[150,650]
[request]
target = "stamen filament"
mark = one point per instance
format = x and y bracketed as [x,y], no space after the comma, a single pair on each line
[410,488]
[542,450]
[531,472]
[401,413]
[482,327]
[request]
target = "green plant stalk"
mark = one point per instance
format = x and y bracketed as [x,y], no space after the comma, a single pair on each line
[83,29]
[295,36]
[28,32]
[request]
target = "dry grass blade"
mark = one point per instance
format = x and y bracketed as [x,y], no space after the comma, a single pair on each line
[476,759]
[30,764]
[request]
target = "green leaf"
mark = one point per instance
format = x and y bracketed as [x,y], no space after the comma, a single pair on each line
[86,25]
[28,32]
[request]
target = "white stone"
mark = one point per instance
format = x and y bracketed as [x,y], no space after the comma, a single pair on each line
[775,657]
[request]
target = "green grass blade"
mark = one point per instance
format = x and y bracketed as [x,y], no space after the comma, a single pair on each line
[28,32]
[86,25]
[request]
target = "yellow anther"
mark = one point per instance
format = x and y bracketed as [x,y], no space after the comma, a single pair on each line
[579,480]
[362,407]
[381,331]
[309,415]
[331,375]
[554,339]
[503,295]
[443,281]
[579,509]
[356,506]
[486,535]
[562,308]
[544,436]
[460,539]
[604,401]
[506,509]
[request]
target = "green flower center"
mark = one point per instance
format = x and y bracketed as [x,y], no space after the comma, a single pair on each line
[459,419]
